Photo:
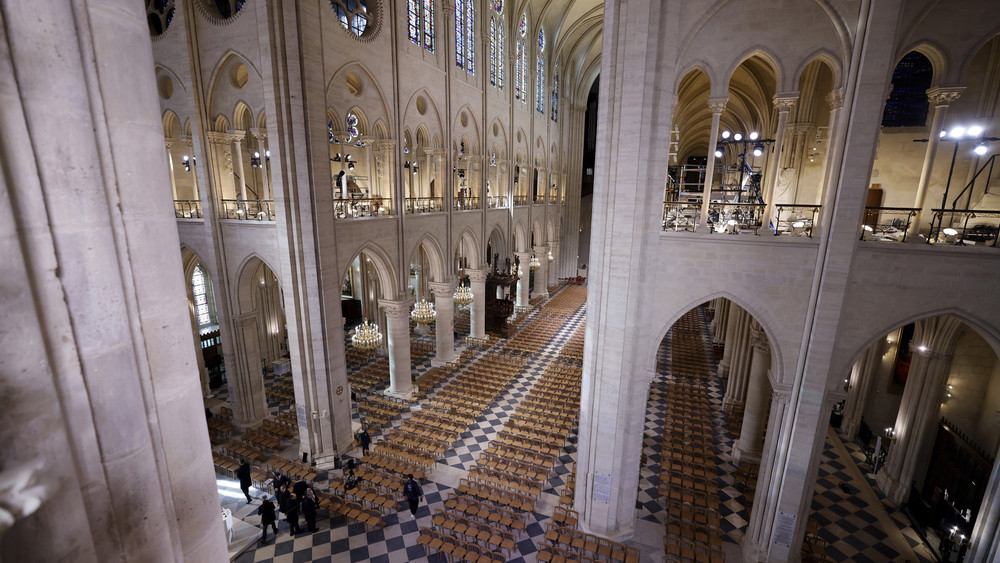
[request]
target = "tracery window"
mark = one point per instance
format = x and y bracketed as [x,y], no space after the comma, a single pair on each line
[420,23]
[540,74]
[521,65]
[353,15]
[200,297]
[496,45]
[554,101]
[352,126]
[465,27]
[907,104]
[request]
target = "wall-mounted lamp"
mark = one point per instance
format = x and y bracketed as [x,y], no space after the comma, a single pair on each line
[187,162]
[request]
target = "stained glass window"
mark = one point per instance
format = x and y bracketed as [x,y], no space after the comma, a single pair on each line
[413,21]
[498,6]
[907,104]
[428,16]
[352,14]
[465,27]
[352,126]
[200,297]
[554,101]
[540,74]
[496,50]
[493,157]
[521,64]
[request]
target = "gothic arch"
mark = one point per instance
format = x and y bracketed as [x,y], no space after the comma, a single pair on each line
[934,53]
[520,238]
[217,84]
[340,92]
[763,53]
[435,255]
[963,69]
[412,117]
[171,125]
[387,278]
[472,249]
[244,282]
[826,57]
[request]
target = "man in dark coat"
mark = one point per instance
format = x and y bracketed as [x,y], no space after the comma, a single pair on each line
[243,474]
[413,493]
[365,440]
[299,488]
[309,507]
[290,508]
[267,518]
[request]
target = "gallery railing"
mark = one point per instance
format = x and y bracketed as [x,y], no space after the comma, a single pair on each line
[887,224]
[735,218]
[681,215]
[795,220]
[495,201]
[965,227]
[423,204]
[466,203]
[356,207]
[187,209]
[520,200]
[248,209]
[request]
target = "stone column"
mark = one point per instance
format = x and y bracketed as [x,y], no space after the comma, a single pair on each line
[940,98]
[784,104]
[245,379]
[265,183]
[750,444]
[397,330]
[170,166]
[523,301]
[553,274]
[918,412]
[738,367]
[860,385]
[835,99]
[241,180]
[716,105]
[444,304]
[721,320]
[540,288]
[477,316]
[105,455]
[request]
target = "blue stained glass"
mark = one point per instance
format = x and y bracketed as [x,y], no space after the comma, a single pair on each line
[459,33]
[522,26]
[413,21]
[428,16]
[541,40]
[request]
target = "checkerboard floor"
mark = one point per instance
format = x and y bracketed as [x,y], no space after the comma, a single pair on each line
[396,542]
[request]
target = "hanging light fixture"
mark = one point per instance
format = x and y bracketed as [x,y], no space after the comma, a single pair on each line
[551,259]
[423,313]
[366,337]
[534,264]
[463,296]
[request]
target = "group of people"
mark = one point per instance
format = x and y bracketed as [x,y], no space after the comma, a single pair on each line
[293,499]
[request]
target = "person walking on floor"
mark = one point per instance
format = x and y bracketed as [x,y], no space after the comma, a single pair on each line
[243,474]
[365,439]
[309,507]
[290,507]
[413,493]
[267,518]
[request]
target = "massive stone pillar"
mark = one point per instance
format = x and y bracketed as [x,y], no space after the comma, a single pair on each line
[749,446]
[717,105]
[859,387]
[444,304]
[730,329]
[397,330]
[245,378]
[541,288]
[105,451]
[783,104]
[721,320]
[477,316]
[523,302]
[940,98]
[919,409]
[739,362]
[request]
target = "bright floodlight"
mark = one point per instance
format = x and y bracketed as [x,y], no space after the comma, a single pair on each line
[737,137]
[725,134]
[956,132]
[753,136]
[758,149]
[981,148]
[718,153]
[974,131]
[943,133]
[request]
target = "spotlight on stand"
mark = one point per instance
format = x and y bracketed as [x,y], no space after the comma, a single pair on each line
[867,232]
[255,160]
[738,137]
[798,228]
[981,148]
[758,149]
[187,162]
[753,136]
[950,235]
[718,153]
[725,134]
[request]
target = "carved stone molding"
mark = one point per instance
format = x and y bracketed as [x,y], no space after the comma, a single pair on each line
[781,395]
[759,341]
[217,138]
[541,251]
[943,96]
[443,289]
[396,309]
[717,105]
[785,103]
[835,99]
[478,276]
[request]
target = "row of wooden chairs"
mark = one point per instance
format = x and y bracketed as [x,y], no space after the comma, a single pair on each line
[389,462]
[472,530]
[575,542]
[367,516]
[486,511]
[244,449]
[688,551]
[456,549]
[292,467]
[502,496]
[501,478]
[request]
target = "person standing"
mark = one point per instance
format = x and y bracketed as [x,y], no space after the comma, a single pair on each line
[243,474]
[413,493]
[365,440]
[267,518]
[309,507]
[290,507]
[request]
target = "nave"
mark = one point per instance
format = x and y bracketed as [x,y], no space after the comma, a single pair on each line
[507,471]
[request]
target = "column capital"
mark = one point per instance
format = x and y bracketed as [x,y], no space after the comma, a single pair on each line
[578,107]
[523,256]
[943,96]
[553,245]
[758,339]
[217,138]
[540,251]
[835,99]
[785,103]
[443,289]
[396,309]
[237,135]
[169,143]
[781,394]
[718,104]
[478,276]
[259,134]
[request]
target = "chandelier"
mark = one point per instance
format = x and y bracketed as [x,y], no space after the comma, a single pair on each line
[423,313]
[534,264]
[366,337]
[463,296]
[550,257]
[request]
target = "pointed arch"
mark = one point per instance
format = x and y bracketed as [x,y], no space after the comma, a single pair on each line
[826,57]
[353,86]
[764,54]
[473,251]
[383,268]
[244,281]
[171,125]
[520,237]
[217,82]
[934,53]
[435,255]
